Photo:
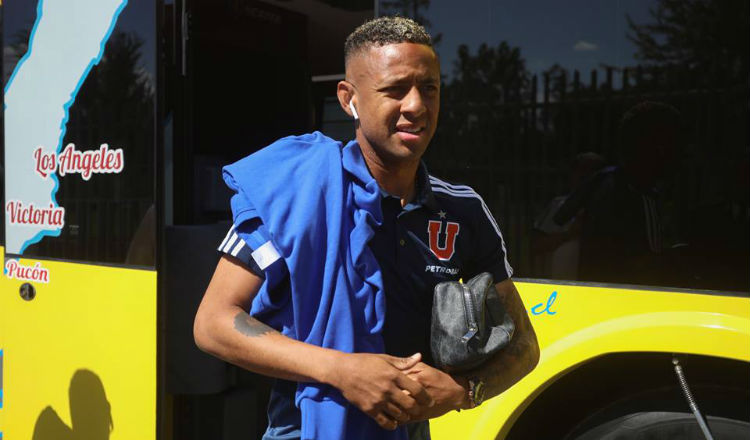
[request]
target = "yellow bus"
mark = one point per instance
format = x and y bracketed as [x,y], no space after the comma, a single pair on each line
[611,148]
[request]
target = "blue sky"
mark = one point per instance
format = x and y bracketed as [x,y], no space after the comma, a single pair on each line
[577,34]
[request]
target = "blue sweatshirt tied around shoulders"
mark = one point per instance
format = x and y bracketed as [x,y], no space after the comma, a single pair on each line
[320,206]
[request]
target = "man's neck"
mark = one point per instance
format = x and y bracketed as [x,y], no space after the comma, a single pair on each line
[396,178]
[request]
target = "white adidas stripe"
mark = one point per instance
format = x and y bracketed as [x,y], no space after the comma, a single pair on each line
[464,191]
[451,186]
[229,234]
[230,243]
[467,192]
[238,247]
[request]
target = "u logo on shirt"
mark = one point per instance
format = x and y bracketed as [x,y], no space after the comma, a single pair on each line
[445,252]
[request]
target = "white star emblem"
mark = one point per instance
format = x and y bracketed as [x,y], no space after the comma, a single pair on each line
[442,214]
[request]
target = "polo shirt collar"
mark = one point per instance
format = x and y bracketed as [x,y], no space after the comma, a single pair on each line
[424,195]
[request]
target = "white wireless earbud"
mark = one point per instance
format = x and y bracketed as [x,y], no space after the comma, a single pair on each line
[354,110]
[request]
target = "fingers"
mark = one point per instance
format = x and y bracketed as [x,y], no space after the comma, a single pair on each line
[403,363]
[385,422]
[384,391]
[389,415]
[406,403]
[395,413]
[417,391]
[411,361]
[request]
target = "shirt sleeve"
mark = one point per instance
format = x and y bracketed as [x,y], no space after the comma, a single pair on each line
[490,253]
[250,243]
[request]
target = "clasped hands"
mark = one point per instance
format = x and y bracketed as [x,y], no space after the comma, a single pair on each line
[394,390]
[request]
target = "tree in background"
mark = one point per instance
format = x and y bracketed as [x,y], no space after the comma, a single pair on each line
[700,36]
[412,9]
[482,103]
[408,8]
[495,75]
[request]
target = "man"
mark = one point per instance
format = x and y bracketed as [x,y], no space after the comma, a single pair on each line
[426,231]
[621,208]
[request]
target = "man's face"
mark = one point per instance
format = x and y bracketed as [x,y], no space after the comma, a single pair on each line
[397,96]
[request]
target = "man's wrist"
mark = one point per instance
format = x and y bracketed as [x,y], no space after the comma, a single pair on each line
[463,401]
[329,372]
[476,391]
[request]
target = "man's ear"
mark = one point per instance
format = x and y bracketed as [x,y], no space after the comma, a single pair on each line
[345,93]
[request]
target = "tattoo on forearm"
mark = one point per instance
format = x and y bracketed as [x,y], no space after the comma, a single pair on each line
[518,358]
[250,326]
[505,369]
[515,351]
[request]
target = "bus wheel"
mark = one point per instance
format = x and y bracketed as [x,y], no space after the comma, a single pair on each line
[666,425]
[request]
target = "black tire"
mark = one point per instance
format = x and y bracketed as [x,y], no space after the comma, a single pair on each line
[666,426]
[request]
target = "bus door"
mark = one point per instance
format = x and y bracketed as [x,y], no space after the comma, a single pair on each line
[78,296]
[235,79]
[238,74]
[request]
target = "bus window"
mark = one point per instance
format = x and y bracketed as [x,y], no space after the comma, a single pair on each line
[609,149]
[79,134]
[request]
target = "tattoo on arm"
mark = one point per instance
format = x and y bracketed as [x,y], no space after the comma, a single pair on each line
[519,357]
[249,326]
[514,307]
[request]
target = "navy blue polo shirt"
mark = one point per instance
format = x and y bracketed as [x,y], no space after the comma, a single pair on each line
[446,233]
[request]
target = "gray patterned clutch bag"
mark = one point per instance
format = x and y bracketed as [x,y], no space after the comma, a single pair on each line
[469,323]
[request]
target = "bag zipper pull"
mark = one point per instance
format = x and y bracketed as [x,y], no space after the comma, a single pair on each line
[470,334]
[470,312]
